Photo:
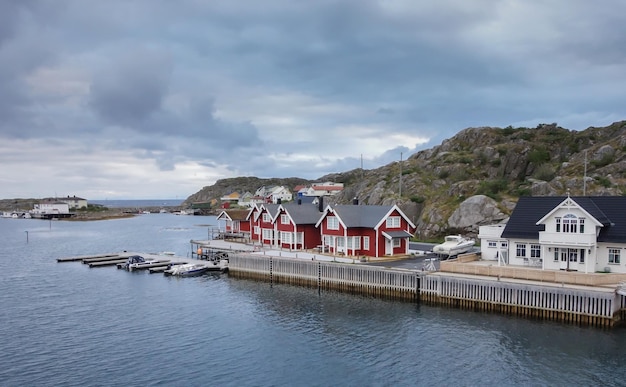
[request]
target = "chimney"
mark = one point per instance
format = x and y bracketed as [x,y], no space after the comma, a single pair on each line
[299,201]
[320,203]
[355,201]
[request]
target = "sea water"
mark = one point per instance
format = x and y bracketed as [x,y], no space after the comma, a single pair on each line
[64,324]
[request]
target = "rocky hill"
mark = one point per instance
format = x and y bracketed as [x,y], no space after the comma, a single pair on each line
[475,177]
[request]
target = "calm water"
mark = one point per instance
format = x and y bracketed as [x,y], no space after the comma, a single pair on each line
[66,324]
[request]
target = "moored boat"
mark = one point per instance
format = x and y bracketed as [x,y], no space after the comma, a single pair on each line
[135,262]
[454,245]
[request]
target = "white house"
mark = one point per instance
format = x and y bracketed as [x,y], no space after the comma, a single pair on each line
[585,234]
[74,202]
[280,193]
[51,207]
[322,189]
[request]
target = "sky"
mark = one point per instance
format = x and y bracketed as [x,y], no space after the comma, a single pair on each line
[141,99]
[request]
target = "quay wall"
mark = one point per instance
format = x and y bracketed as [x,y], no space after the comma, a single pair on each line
[559,303]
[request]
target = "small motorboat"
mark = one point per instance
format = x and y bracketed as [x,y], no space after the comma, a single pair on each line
[187,270]
[194,269]
[135,262]
[454,245]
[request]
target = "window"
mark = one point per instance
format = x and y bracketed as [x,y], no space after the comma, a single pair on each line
[266,217]
[521,250]
[299,237]
[366,243]
[340,242]
[332,223]
[582,255]
[393,222]
[558,224]
[556,254]
[570,223]
[614,255]
[357,242]
[397,242]
[267,234]
[581,225]
[504,245]
[257,230]
[285,237]
[535,251]
[284,219]
[492,244]
[573,255]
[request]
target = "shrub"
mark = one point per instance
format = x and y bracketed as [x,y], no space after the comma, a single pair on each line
[544,172]
[491,188]
[606,159]
[604,181]
[538,155]
[417,199]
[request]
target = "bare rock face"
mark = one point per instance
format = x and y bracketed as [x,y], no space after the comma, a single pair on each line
[476,211]
[542,188]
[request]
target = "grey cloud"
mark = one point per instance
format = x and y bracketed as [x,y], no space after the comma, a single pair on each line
[133,88]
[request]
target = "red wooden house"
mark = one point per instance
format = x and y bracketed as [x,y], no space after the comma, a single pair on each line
[235,222]
[264,223]
[373,231]
[295,226]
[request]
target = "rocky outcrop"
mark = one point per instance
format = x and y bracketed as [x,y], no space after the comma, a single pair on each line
[476,211]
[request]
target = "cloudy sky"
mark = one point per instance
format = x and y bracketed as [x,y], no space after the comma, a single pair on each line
[140,99]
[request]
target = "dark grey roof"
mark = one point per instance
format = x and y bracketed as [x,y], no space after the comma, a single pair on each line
[608,210]
[397,234]
[303,213]
[361,216]
[305,199]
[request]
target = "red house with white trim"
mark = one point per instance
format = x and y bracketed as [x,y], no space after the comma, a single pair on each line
[263,223]
[235,222]
[295,226]
[374,231]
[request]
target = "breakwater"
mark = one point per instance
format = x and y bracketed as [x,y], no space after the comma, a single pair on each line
[576,305]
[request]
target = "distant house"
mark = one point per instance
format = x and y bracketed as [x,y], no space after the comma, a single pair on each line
[230,198]
[374,231]
[279,194]
[586,234]
[51,206]
[295,226]
[74,202]
[322,189]
[235,222]
[245,200]
[300,189]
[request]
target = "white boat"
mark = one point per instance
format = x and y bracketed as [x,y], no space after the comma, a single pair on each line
[454,245]
[135,262]
[194,269]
